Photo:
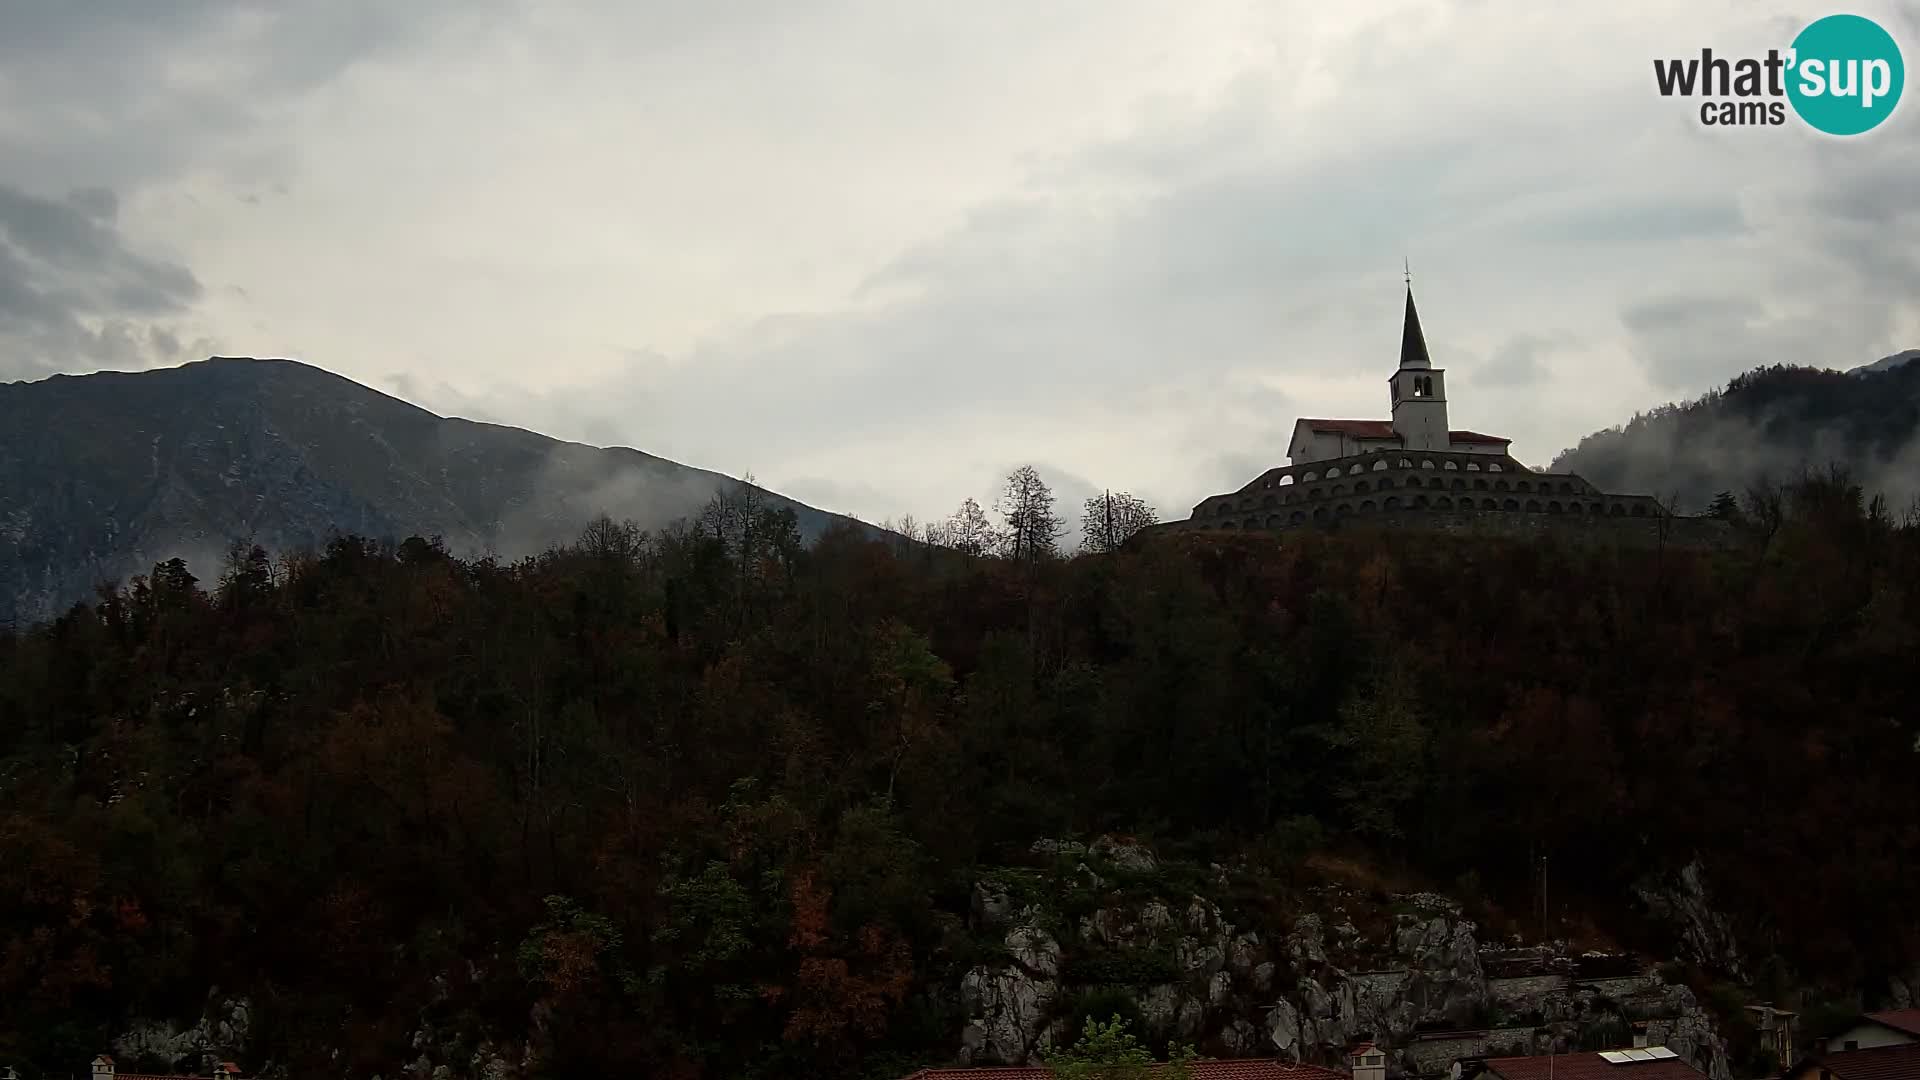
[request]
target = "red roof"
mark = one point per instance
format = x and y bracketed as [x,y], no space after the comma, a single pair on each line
[1907,1020]
[1245,1069]
[1587,1066]
[1383,429]
[1900,1062]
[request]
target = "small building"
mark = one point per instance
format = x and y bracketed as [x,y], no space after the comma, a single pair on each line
[1776,1030]
[1895,1061]
[1647,1063]
[1895,1027]
[1237,1069]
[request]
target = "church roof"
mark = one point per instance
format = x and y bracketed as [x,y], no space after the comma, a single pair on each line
[1383,429]
[1413,343]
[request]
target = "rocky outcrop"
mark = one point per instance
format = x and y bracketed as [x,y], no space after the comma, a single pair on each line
[1307,990]
[1706,937]
[1011,1006]
[220,1035]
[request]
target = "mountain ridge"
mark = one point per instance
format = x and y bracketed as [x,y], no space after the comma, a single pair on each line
[102,475]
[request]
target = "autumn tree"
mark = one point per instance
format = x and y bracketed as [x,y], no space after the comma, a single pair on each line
[1108,521]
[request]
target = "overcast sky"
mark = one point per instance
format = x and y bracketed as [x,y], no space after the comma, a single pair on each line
[878,252]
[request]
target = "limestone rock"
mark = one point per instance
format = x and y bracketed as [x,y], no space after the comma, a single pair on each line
[1130,855]
[1307,943]
[220,1035]
[1243,953]
[992,906]
[1706,938]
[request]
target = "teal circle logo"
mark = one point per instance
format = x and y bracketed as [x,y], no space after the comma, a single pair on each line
[1846,75]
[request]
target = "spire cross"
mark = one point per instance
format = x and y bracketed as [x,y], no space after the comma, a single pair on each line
[1409,267]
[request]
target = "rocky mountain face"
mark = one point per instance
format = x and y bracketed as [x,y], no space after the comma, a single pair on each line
[1417,977]
[102,476]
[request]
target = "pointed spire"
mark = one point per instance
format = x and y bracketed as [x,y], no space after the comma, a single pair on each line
[1413,344]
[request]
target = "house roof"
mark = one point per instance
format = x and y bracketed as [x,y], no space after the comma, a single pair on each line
[1907,1020]
[1383,429]
[1900,1062]
[1590,1067]
[1242,1069]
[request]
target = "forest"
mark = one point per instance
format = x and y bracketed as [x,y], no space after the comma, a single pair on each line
[705,802]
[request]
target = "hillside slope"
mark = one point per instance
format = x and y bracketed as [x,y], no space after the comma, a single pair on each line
[1768,424]
[104,475]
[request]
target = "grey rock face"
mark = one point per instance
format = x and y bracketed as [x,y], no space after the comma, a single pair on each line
[220,1035]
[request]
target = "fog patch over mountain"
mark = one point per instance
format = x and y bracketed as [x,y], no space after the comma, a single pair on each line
[1767,426]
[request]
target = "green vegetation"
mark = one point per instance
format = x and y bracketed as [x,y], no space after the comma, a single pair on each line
[710,804]
[1107,1050]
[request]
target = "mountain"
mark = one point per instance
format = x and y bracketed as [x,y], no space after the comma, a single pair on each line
[1887,363]
[1768,425]
[104,475]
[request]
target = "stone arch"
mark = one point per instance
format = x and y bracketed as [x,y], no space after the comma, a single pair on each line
[1510,504]
[1473,466]
[1499,485]
[1598,508]
[1459,484]
[1489,504]
[1298,517]
[1253,523]
[1385,483]
[1639,509]
[1426,463]
[1436,483]
[1319,513]
[1443,503]
[1533,506]
[1380,466]
[1286,481]
[1360,488]
[1619,510]
[1309,478]
[1450,466]
[1553,507]
[1522,485]
[1479,483]
[1333,472]
[1574,508]
[1392,503]
[1229,525]
[1404,463]
[1566,487]
[1343,509]
[1273,521]
[1494,466]
[1367,507]
[1419,502]
[1339,490]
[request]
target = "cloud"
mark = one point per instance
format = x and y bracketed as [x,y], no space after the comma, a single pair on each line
[820,243]
[72,292]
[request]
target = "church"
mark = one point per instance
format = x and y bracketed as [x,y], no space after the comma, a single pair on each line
[1413,469]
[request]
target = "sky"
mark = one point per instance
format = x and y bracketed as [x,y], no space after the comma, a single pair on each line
[878,253]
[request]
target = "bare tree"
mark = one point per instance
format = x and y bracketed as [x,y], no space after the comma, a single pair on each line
[969,532]
[1110,520]
[1032,530]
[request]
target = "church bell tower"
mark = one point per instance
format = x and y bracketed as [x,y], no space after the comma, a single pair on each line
[1419,390]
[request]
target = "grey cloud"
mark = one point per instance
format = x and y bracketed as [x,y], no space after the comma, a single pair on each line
[122,91]
[73,293]
[1518,362]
